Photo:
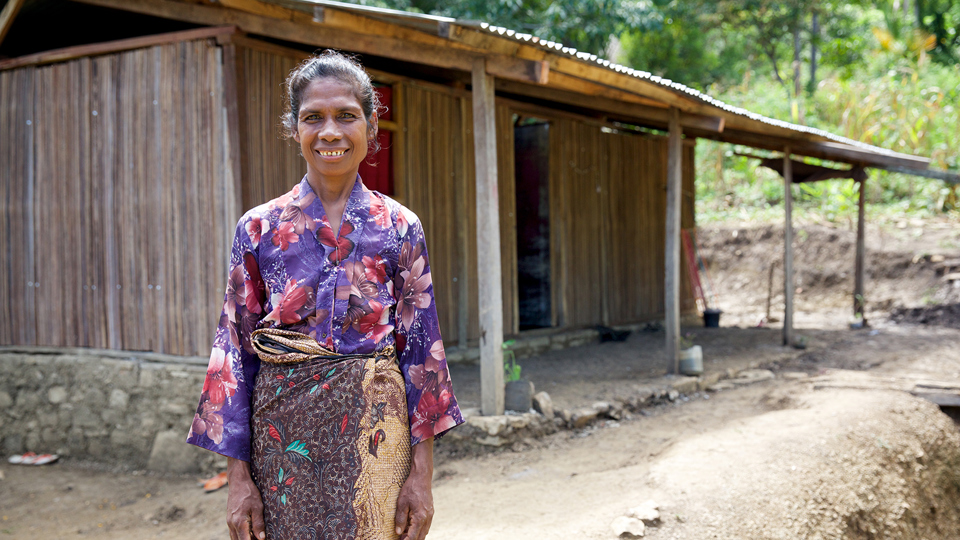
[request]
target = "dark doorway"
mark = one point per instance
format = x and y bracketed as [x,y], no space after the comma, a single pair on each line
[531,147]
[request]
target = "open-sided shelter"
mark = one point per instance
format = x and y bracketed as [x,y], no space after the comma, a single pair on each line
[552,184]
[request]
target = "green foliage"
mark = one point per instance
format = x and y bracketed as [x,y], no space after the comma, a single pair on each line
[685,47]
[511,369]
[892,104]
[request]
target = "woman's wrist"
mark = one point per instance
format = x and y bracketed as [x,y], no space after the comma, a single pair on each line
[238,470]
[421,460]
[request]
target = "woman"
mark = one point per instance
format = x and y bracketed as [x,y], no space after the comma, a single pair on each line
[328,381]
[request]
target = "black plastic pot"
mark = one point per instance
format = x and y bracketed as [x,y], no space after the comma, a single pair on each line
[711,318]
[518,396]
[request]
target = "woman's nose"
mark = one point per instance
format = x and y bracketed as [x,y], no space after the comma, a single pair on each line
[329,130]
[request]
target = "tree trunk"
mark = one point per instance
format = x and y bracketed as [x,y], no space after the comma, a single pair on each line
[797,84]
[814,39]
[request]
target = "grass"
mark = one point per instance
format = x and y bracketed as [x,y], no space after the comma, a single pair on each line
[895,104]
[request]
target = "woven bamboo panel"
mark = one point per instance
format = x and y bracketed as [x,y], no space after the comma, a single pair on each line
[272,164]
[123,198]
[439,185]
[608,212]
[578,160]
[17,176]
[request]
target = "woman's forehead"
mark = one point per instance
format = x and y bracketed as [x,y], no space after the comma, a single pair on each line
[329,92]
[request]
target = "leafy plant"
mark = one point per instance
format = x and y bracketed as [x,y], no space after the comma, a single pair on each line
[511,369]
[686,340]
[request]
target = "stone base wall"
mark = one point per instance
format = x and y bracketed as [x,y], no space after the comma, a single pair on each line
[125,408]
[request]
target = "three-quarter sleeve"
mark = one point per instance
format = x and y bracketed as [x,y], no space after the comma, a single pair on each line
[222,419]
[431,404]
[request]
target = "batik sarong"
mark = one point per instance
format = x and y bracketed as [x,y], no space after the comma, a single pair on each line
[331,439]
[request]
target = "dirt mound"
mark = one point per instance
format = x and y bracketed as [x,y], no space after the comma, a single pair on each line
[905,269]
[945,315]
[844,464]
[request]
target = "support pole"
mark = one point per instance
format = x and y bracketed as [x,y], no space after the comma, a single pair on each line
[488,241]
[788,249]
[671,280]
[859,271]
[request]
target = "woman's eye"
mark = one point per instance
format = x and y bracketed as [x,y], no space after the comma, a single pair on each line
[311,117]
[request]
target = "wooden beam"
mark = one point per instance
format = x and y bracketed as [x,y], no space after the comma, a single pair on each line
[316,34]
[833,151]
[624,107]
[937,174]
[109,47]
[508,65]
[788,248]
[488,241]
[566,89]
[859,303]
[600,74]
[672,249]
[563,63]
[7,16]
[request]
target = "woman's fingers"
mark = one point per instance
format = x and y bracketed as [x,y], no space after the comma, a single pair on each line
[419,525]
[244,505]
[425,528]
[259,529]
[413,520]
[403,511]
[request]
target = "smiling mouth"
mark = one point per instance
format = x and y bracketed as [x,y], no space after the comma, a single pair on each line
[331,153]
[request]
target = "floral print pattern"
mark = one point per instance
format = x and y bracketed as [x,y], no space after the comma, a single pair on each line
[357,291]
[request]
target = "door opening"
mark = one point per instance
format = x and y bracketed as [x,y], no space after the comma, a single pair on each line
[532,173]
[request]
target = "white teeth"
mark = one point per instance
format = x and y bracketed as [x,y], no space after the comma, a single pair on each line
[335,153]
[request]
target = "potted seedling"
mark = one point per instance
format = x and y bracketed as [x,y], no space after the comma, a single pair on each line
[691,356]
[518,393]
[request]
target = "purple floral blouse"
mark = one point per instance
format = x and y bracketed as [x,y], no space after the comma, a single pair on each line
[358,291]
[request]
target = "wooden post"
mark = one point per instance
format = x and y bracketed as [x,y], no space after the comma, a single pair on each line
[859,272]
[488,241]
[788,249]
[671,280]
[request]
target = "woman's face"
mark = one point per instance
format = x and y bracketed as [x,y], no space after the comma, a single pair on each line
[332,131]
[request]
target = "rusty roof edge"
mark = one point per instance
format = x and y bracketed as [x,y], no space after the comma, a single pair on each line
[406,18]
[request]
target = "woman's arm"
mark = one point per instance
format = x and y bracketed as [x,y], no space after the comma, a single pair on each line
[244,505]
[415,503]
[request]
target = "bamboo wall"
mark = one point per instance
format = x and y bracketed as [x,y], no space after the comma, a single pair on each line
[608,197]
[115,195]
[608,214]
[440,187]
[271,163]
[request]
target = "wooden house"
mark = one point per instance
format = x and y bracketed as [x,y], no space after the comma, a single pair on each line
[552,184]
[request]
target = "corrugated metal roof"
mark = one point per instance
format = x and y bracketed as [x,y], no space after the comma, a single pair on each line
[431,22]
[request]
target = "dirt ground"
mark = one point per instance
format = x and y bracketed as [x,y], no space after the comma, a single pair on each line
[798,456]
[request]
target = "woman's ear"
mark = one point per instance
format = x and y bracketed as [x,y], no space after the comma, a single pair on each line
[373,127]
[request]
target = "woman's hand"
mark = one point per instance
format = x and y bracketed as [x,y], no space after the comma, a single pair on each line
[244,505]
[415,503]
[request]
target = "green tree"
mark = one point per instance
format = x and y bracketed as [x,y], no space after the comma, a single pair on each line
[689,45]
[586,25]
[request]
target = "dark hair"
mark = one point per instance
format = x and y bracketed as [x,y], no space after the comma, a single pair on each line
[335,65]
